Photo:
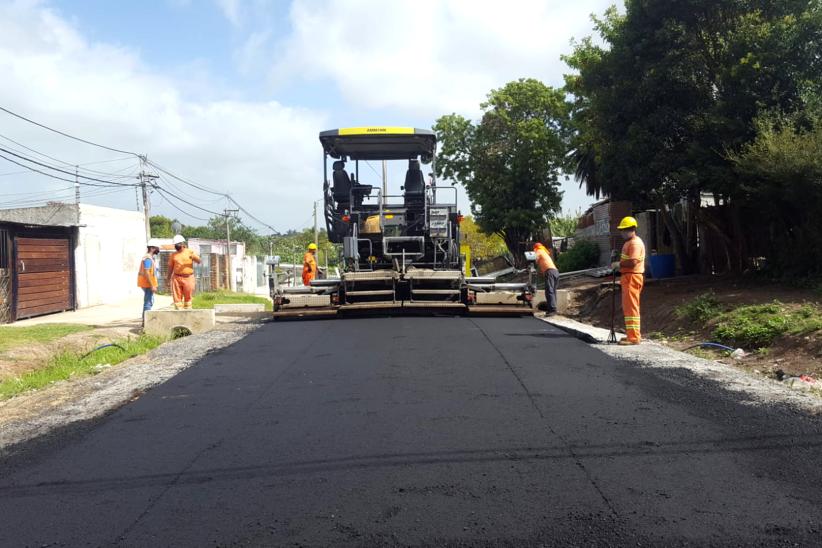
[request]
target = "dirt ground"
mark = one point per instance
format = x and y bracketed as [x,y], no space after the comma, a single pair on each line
[789,356]
[21,359]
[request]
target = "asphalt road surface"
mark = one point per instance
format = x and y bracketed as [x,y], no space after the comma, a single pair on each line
[421,431]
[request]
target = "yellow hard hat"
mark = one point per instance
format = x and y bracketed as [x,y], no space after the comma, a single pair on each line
[627,222]
[312,246]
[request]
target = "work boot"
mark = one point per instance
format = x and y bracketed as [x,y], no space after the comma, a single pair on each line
[627,342]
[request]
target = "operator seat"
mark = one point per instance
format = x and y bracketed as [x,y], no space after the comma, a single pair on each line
[342,183]
[414,185]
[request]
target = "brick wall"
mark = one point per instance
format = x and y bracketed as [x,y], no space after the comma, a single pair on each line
[604,231]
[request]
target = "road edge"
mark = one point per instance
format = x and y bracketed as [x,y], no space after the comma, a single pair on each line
[757,389]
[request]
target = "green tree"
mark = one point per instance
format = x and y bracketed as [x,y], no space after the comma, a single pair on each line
[483,246]
[510,161]
[565,225]
[782,168]
[673,87]
[160,226]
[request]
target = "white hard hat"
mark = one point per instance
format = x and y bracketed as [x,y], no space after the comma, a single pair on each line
[154,242]
[178,239]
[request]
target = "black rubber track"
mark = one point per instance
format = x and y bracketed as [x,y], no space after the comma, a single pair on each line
[421,431]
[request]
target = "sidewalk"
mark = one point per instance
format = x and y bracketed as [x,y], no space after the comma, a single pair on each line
[127,313]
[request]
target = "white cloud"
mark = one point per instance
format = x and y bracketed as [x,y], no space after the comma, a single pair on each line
[231,10]
[428,57]
[264,153]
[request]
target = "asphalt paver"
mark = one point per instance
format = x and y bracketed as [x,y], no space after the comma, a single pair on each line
[439,431]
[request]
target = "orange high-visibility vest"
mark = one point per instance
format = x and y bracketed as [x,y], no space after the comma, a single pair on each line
[309,268]
[633,249]
[146,275]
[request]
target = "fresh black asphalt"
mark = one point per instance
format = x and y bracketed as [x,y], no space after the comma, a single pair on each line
[421,431]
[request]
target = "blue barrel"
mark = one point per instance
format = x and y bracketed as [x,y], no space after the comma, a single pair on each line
[663,266]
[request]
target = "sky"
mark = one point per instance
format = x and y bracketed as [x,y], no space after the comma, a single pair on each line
[230,95]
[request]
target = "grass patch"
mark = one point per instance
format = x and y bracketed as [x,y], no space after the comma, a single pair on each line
[758,326]
[71,364]
[701,309]
[17,336]
[209,299]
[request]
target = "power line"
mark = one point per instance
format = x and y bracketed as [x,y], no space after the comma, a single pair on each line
[7,111]
[163,190]
[63,161]
[109,185]
[62,170]
[178,178]
[178,208]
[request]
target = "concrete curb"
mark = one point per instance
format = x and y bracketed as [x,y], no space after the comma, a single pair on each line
[585,332]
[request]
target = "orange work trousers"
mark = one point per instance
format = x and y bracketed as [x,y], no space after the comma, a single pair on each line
[182,287]
[631,289]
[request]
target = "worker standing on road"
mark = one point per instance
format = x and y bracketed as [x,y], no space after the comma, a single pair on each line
[632,269]
[310,264]
[547,268]
[181,273]
[147,275]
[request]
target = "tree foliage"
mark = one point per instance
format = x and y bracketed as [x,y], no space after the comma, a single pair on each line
[483,246]
[674,86]
[565,225]
[510,161]
[782,167]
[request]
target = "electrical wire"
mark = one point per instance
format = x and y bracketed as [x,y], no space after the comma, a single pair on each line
[63,178]
[178,178]
[113,183]
[166,191]
[178,208]
[64,134]
[65,162]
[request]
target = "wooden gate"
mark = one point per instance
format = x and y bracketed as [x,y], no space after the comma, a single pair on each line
[44,276]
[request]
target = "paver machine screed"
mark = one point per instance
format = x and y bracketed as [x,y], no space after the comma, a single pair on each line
[400,252]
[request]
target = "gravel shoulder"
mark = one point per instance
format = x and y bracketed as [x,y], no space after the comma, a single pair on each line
[37,413]
[651,355]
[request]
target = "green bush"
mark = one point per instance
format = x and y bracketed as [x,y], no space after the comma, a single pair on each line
[754,326]
[584,254]
[703,308]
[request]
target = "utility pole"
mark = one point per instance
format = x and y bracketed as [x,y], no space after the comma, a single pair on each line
[228,213]
[146,180]
[76,186]
[316,229]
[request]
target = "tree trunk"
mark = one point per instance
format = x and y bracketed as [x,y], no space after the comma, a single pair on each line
[515,241]
[678,236]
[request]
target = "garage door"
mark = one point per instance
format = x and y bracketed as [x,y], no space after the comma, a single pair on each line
[43,268]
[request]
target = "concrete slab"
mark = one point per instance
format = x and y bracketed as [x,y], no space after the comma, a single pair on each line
[498,297]
[161,323]
[239,308]
[127,313]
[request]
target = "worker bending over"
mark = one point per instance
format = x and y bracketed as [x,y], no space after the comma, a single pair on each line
[147,275]
[547,268]
[181,273]
[310,264]
[632,270]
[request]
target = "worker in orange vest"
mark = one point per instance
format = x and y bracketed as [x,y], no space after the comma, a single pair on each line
[310,264]
[632,269]
[181,273]
[147,275]
[546,267]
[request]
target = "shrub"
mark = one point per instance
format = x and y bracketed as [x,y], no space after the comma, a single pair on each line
[584,254]
[701,309]
[752,326]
